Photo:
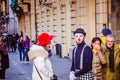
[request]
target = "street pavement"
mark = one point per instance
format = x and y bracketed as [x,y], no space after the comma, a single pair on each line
[18,71]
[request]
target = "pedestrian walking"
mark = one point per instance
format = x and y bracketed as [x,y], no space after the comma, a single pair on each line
[81,68]
[9,42]
[99,58]
[21,49]
[4,59]
[14,42]
[5,35]
[112,51]
[42,67]
[27,48]
[17,37]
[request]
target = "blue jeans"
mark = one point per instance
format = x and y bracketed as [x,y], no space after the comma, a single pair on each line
[22,54]
[26,53]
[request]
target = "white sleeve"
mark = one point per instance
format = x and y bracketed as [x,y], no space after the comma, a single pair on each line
[41,66]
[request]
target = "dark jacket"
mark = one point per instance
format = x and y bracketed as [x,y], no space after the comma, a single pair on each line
[108,75]
[4,56]
[4,61]
[87,60]
[21,45]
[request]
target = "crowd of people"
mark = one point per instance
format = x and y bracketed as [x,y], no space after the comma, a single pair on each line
[10,43]
[98,61]
[17,41]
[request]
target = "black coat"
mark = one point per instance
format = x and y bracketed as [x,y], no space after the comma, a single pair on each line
[4,60]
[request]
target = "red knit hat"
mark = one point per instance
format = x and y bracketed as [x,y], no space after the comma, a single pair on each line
[44,39]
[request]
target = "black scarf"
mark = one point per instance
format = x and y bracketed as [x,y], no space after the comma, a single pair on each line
[111,59]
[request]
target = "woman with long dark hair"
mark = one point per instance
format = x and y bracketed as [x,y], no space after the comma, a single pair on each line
[27,47]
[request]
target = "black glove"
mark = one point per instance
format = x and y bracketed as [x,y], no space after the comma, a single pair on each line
[54,77]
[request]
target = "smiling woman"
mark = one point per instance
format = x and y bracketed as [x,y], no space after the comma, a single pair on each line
[110,41]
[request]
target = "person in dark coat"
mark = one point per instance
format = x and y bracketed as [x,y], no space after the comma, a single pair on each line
[14,41]
[81,68]
[4,59]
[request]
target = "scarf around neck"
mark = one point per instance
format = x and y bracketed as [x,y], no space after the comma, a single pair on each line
[111,59]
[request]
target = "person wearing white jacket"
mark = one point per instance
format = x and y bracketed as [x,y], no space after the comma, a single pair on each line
[42,67]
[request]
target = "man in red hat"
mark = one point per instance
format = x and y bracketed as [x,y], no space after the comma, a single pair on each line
[42,67]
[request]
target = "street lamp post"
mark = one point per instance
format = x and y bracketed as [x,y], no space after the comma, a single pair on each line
[35,20]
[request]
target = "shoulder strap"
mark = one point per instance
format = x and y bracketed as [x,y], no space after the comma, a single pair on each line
[81,58]
[38,72]
[74,55]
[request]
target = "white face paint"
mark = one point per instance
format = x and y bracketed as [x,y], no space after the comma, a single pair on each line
[79,37]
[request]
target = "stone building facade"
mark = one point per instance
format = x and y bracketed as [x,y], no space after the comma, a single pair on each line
[61,17]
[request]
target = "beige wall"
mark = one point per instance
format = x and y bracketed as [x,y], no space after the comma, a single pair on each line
[63,17]
[116,19]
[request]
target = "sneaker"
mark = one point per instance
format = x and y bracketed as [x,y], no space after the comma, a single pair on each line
[22,62]
[26,62]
